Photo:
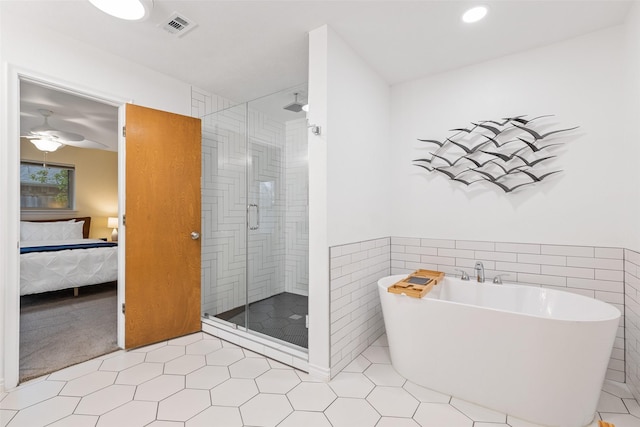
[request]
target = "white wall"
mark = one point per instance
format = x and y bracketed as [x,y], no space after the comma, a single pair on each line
[348,174]
[68,60]
[358,137]
[632,258]
[632,91]
[318,236]
[593,202]
[46,55]
[4,218]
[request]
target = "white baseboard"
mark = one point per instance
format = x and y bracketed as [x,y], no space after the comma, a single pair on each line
[320,372]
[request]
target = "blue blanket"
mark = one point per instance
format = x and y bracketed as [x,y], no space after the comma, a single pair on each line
[54,248]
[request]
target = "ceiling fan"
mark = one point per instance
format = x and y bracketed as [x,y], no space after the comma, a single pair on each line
[48,139]
[47,131]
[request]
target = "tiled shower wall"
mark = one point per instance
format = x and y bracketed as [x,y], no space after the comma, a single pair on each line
[595,272]
[223,212]
[297,209]
[632,325]
[203,103]
[266,257]
[275,167]
[224,190]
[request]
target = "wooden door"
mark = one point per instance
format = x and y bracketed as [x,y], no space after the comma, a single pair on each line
[162,209]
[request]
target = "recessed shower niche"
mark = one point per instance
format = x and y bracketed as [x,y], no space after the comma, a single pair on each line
[255,218]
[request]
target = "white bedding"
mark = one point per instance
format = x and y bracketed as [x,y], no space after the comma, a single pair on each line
[68,268]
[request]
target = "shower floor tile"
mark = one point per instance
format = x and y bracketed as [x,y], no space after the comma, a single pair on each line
[282,316]
[238,385]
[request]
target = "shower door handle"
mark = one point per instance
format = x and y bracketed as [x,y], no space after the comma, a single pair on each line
[257,223]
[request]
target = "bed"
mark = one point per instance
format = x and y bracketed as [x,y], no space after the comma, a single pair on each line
[57,254]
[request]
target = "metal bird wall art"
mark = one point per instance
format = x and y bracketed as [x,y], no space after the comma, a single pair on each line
[510,152]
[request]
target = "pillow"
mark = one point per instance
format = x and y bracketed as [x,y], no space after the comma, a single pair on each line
[41,230]
[59,230]
[72,230]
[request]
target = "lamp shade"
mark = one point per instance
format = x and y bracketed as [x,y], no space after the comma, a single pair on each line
[112,222]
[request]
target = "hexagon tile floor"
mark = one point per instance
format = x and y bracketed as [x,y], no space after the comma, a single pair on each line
[200,380]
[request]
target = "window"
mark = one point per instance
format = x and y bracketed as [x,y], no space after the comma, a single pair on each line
[46,187]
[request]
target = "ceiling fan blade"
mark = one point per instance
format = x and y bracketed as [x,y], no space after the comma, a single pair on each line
[61,135]
[86,143]
[46,130]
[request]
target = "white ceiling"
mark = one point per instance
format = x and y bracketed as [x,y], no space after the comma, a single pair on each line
[97,122]
[243,50]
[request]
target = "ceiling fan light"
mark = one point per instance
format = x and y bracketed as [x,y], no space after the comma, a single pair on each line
[46,145]
[130,10]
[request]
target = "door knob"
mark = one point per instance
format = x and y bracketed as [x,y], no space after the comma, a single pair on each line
[195,235]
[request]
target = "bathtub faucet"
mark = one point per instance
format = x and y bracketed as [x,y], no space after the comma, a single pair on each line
[479,268]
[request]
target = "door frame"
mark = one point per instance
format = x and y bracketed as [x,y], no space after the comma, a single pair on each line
[11,257]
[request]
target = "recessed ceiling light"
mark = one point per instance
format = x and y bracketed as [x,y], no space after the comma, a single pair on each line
[130,10]
[474,14]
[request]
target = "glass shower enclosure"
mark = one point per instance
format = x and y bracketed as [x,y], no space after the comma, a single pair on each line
[255,228]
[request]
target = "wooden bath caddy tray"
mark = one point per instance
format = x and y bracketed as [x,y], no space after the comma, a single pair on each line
[418,283]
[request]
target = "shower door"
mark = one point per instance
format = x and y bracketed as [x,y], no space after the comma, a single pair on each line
[255,221]
[224,211]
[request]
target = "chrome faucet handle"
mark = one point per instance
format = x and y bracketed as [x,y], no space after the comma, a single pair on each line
[479,270]
[498,279]
[463,274]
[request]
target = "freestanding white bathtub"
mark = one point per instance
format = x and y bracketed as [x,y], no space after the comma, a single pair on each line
[533,353]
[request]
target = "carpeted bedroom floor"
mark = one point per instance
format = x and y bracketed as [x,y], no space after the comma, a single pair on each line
[59,330]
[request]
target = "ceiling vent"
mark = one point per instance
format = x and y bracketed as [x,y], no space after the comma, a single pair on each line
[177,24]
